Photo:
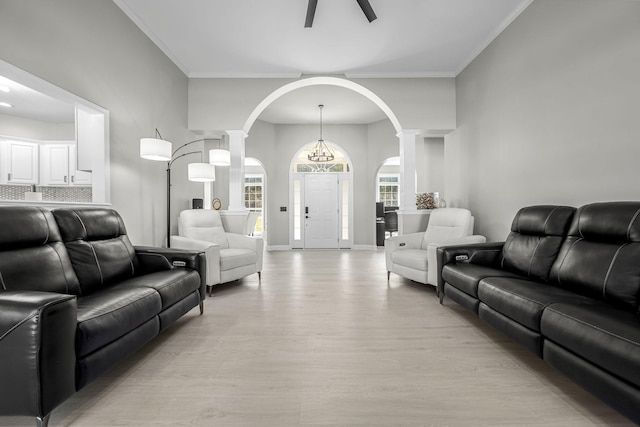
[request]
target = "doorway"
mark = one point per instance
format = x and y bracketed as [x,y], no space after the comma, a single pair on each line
[321,211]
[320,197]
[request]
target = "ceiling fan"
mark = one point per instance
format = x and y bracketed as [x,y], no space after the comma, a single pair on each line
[364,5]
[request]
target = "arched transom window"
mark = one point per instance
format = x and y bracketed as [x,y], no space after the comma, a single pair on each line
[340,163]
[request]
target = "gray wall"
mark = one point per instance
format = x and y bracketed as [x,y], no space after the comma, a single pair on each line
[549,113]
[91,48]
[219,104]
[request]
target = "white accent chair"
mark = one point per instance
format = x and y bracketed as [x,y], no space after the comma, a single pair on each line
[230,256]
[414,255]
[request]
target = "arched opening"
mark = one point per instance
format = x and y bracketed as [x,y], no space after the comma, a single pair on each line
[321,200]
[346,183]
[313,81]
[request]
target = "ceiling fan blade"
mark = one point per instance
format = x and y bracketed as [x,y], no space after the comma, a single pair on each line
[367,9]
[311,12]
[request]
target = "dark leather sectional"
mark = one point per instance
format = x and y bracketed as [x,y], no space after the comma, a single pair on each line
[76,298]
[566,285]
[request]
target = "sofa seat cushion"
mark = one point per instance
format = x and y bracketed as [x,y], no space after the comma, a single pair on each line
[600,333]
[110,313]
[466,276]
[522,300]
[237,257]
[172,285]
[412,258]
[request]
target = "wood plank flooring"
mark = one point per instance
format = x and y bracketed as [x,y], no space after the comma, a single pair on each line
[326,341]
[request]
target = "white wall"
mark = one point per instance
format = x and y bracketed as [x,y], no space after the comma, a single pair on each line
[549,113]
[90,48]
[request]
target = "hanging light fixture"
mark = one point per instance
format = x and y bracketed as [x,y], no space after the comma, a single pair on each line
[320,151]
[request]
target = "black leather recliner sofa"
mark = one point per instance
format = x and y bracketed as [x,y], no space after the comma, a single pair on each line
[566,285]
[76,298]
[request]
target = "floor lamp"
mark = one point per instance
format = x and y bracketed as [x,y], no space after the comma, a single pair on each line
[160,150]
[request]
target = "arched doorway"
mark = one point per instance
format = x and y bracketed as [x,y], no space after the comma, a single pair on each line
[321,201]
[237,140]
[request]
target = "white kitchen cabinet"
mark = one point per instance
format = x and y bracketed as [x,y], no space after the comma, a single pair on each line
[58,166]
[19,162]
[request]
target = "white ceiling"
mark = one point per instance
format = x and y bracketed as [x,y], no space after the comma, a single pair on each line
[267,38]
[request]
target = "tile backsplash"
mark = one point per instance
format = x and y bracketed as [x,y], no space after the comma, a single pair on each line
[49,194]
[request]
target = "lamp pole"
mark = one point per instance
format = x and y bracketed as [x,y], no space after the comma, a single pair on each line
[160,150]
[169,163]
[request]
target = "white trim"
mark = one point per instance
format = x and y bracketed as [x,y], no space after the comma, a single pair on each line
[416,75]
[315,81]
[496,32]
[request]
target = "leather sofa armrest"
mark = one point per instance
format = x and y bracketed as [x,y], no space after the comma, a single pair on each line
[37,349]
[433,269]
[157,259]
[480,253]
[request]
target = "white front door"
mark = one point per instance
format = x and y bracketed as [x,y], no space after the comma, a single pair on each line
[321,211]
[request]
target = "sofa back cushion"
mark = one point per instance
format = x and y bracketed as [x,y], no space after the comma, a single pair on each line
[537,233]
[97,242]
[601,256]
[203,224]
[447,223]
[32,255]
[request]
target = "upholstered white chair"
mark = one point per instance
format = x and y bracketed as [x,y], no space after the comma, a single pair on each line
[230,256]
[414,255]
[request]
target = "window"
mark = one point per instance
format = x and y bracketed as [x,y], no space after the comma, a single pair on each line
[253,196]
[388,189]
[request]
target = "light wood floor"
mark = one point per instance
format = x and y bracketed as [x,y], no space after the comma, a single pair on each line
[326,341]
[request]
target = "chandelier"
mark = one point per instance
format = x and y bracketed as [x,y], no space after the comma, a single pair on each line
[321,152]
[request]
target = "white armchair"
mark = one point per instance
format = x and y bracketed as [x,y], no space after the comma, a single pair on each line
[414,255]
[230,256]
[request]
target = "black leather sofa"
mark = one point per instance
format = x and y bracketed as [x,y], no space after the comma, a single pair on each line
[566,285]
[76,298]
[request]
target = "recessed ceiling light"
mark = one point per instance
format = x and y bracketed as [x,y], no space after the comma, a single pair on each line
[4,88]
[4,104]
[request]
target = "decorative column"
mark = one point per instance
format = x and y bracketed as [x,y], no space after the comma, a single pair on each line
[409,218]
[236,170]
[234,219]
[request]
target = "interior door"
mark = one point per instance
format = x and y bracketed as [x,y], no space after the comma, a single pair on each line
[321,211]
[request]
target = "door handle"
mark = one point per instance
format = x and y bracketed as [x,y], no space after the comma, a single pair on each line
[306,209]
